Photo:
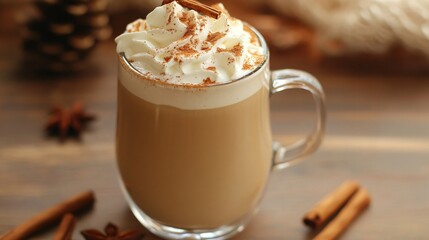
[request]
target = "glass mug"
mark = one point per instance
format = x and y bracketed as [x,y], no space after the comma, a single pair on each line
[194,160]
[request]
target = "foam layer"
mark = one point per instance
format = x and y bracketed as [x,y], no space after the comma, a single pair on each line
[180,46]
[191,97]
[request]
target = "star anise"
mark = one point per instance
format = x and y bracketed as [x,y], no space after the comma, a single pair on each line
[111,232]
[68,122]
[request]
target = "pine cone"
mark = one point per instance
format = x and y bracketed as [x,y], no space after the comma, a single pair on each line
[65,32]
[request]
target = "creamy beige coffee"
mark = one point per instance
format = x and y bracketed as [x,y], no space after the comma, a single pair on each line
[194,147]
[194,143]
[194,168]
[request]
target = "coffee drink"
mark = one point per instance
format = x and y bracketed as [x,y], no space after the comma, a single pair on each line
[194,147]
[198,160]
[194,168]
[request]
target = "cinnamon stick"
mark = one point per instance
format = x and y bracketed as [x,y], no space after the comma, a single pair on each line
[50,216]
[197,6]
[359,202]
[330,204]
[65,230]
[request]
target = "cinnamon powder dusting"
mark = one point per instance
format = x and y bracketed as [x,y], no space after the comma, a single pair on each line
[190,30]
[214,37]
[193,45]
[253,38]
[186,50]
[135,26]
[258,59]
[208,81]
[237,50]
[169,18]
[213,69]
[247,65]
[177,59]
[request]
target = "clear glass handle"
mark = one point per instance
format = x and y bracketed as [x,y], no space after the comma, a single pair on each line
[285,156]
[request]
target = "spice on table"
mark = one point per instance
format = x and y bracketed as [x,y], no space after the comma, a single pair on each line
[111,232]
[65,230]
[197,6]
[330,204]
[359,202]
[51,216]
[65,122]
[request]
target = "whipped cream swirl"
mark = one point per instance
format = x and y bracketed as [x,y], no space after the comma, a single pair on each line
[180,46]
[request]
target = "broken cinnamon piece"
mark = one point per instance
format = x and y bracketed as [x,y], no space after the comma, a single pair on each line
[197,6]
[50,216]
[65,230]
[330,204]
[359,202]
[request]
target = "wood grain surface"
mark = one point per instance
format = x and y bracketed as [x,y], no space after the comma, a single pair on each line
[377,133]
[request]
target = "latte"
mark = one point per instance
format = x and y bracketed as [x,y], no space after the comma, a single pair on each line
[194,143]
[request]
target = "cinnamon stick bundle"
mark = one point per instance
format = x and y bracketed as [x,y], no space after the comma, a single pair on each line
[50,216]
[359,202]
[330,204]
[65,230]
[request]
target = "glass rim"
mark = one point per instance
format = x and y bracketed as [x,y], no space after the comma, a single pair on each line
[265,52]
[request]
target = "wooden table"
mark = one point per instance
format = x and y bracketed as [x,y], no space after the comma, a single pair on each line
[377,133]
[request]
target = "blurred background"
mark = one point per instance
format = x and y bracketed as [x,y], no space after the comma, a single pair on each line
[381,35]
